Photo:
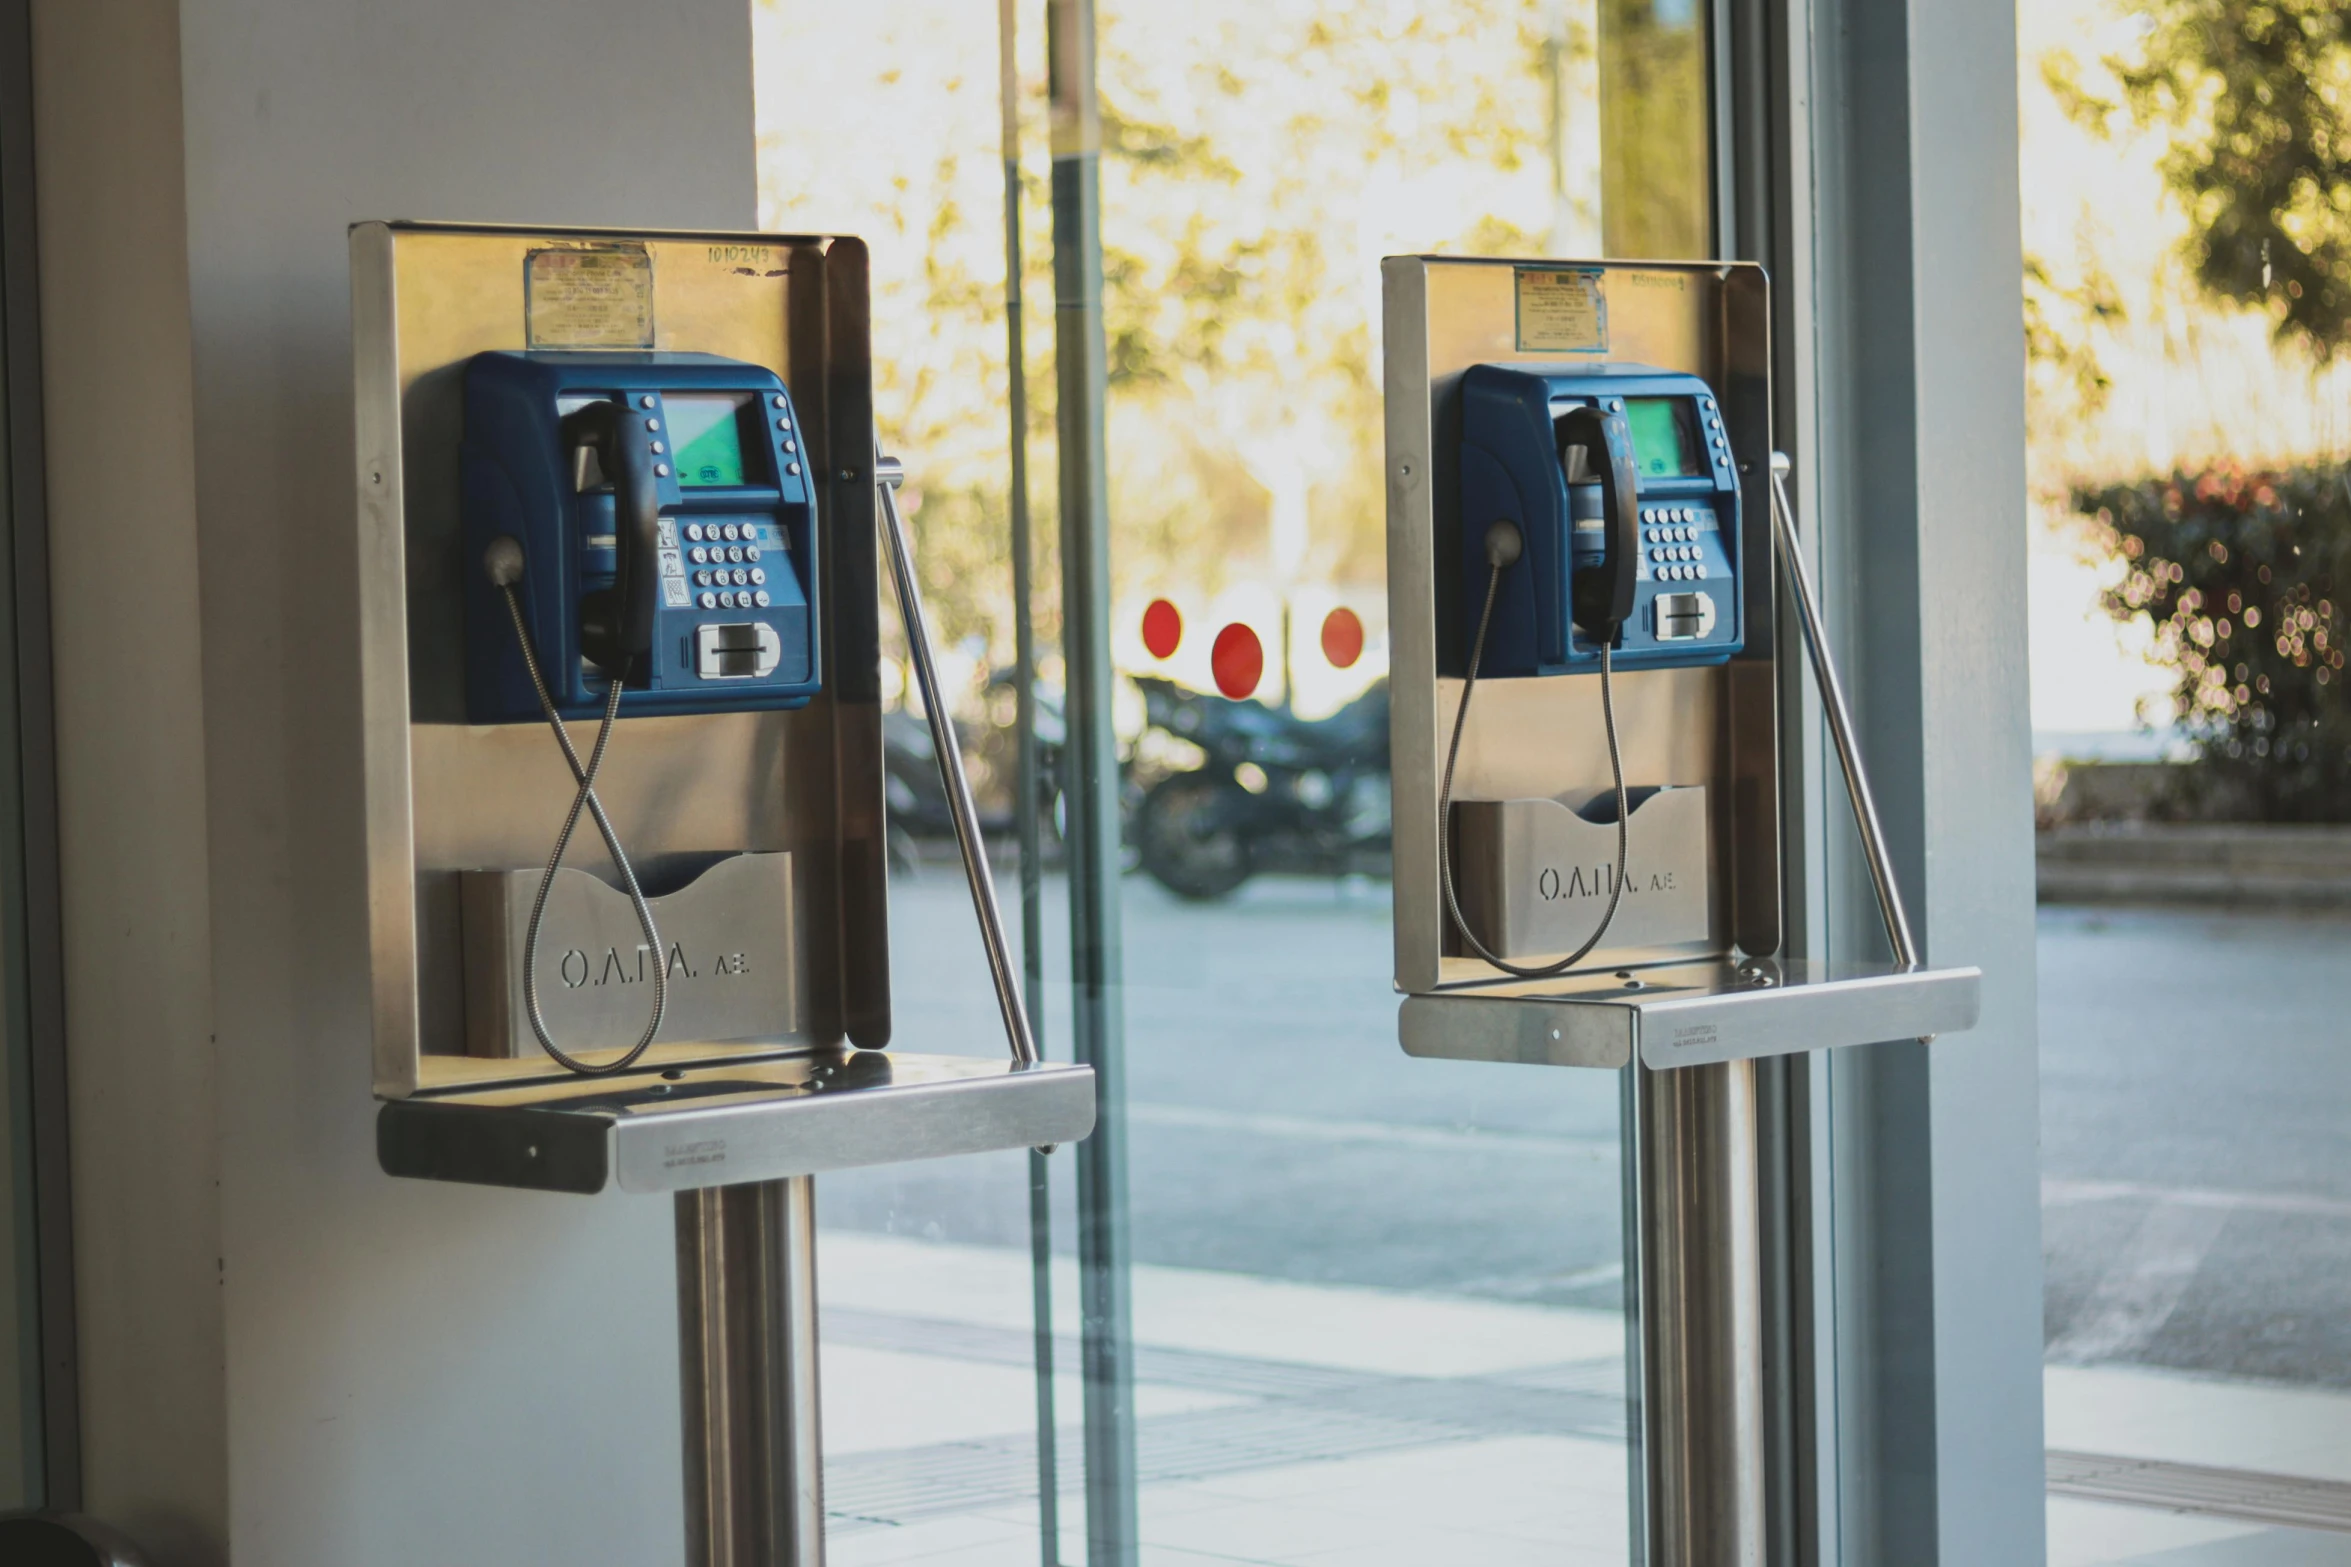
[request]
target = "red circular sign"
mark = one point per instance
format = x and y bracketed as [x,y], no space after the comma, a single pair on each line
[1238,659]
[1163,628]
[1342,637]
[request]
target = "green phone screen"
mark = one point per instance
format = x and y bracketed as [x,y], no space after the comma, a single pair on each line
[708,440]
[1665,437]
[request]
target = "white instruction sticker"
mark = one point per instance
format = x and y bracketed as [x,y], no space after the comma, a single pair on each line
[589,298]
[1562,310]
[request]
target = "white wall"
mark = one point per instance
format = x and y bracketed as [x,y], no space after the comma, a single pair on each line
[130,759]
[413,1373]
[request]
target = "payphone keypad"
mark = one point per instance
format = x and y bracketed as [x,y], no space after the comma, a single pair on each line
[1682,544]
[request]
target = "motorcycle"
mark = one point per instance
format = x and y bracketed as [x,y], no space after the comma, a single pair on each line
[917,792]
[1274,793]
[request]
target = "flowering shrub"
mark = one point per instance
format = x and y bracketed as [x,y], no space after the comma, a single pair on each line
[2242,575]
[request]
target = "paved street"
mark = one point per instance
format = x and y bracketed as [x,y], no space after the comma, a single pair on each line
[2197,1124]
[2196,1141]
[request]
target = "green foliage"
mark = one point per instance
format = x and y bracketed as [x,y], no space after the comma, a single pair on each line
[1653,132]
[2061,356]
[1654,129]
[2242,576]
[1252,160]
[2257,97]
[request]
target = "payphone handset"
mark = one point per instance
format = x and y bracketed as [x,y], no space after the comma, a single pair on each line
[639,536]
[1599,527]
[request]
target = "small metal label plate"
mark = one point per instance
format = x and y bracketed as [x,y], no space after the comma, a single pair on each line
[731,952]
[1534,876]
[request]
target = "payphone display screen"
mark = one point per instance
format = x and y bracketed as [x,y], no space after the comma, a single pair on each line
[1665,437]
[709,439]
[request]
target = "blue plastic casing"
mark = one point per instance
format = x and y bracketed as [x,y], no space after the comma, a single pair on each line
[519,481]
[1512,468]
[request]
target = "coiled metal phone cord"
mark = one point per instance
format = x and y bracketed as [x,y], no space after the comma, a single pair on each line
[1500,552]
[584,798]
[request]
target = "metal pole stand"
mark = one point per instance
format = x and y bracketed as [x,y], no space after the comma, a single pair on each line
[754,1450]
[1701,1286]
[747,1340]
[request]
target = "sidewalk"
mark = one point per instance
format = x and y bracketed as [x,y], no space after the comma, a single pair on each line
[2259,865]
[1280,1424]
[2132,1413]
[1298,1425]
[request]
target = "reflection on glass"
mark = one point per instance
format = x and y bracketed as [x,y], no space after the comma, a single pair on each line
[1377,1302]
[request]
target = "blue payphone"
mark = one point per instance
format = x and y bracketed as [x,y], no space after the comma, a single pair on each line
[650,513]
[1619,480]
[1599,529]
[640,536]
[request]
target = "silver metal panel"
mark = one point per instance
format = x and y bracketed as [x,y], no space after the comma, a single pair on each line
[733,958]
[1534,877]
[1678,1015]
[875,1109]
[444,796]
[1713,727]
[383,664]
[726,1123]
[1507,1028]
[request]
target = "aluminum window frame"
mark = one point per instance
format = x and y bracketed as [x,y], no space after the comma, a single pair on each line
[1870,160]
[33,1134]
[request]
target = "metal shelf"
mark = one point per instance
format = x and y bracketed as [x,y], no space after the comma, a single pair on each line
[724,1124]
[1690,1014]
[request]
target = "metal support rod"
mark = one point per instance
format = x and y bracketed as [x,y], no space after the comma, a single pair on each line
[1701,1295]
[1832,697]
[1027,796]
[1090,783]
[754,1450]
[888,473]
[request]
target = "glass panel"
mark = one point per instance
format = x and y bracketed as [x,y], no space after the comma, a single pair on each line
[1376,1303]
[2189,584]
[927,1318]
[1654,129]
[1397,1280]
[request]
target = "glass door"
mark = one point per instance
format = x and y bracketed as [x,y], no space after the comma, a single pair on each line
[1301,1299]
[2191,469]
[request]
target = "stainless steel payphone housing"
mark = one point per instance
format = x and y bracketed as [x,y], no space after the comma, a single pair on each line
[1732,995]
[763,831]
[1689,1014]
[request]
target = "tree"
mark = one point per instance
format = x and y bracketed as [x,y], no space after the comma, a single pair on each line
[2243,577]
[2256,95]
[1259,157]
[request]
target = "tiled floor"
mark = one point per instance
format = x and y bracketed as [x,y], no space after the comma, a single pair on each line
[1293,1425]
[1359,1442]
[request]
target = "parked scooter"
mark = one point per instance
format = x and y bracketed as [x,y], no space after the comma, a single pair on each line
[917,794]
[1275,793]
